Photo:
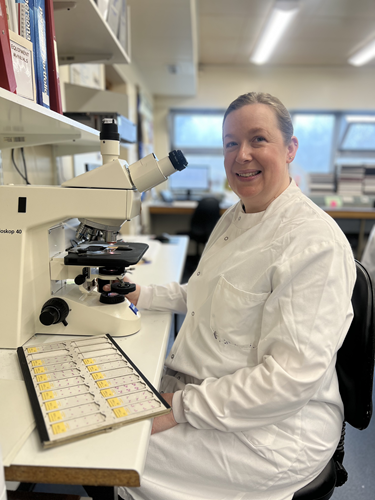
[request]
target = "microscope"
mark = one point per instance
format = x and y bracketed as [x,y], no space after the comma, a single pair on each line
[59,246]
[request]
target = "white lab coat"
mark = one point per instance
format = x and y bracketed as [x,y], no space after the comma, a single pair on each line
[253,366]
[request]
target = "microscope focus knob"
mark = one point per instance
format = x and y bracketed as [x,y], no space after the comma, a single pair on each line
[123,287]
[54,311]
[81,278]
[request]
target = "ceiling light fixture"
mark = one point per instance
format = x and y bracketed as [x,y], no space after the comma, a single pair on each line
[363,55]
[281,16]
[360,118]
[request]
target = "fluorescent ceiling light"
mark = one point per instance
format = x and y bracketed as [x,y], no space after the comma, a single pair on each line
[280,18]
[364,55]
[360,118]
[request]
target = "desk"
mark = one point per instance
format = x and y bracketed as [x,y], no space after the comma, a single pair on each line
[186,208]
[114,458]
[161,217]
[178,208]
[361,214]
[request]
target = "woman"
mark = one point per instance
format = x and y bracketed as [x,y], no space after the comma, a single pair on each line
[251,377]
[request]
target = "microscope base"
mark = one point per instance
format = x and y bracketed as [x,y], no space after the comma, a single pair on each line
[87,316]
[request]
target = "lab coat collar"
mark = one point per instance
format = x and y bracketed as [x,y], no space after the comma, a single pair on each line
[246,221]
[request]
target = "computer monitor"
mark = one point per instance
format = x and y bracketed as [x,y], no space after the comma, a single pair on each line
[193,180]
[91,166]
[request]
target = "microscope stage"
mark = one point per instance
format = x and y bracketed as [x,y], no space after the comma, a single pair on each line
[97,254]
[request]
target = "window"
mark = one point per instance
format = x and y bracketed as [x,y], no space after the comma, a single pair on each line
[199,135]
[327,140]
[197,130]
[360,134]
[315,135]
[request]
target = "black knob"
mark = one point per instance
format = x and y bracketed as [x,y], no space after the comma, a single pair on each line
[81,278]
[111,298]
[54,311]
[123,287]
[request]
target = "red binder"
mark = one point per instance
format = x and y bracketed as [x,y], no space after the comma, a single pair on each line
[53,68]
[7,78]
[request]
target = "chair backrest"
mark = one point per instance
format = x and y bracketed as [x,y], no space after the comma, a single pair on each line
[355,358]
[205,217]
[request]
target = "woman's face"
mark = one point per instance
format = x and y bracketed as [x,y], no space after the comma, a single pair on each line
[255,156]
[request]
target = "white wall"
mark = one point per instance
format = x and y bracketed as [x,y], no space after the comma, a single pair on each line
[40,166]
[309,88]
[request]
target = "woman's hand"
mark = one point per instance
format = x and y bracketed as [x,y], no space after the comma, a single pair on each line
[164,422]
[132,296]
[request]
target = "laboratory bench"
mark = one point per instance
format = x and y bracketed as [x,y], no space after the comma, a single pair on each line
[113,458]
[175,217]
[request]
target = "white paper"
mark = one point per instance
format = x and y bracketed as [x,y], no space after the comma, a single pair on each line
[16,418]
[23,70]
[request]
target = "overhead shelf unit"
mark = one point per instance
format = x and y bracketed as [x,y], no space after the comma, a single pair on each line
[83,36]
[24,123]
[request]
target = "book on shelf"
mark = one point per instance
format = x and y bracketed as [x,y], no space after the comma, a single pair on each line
[103,7]
[53,64]
[26,21]
[12,15]
[40,52]
[123,27]
[85,386]
[113,17]
[7,76]
[23,65]
[32,26]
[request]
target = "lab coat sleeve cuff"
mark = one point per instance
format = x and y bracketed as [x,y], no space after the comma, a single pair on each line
[145,297]
[178,408]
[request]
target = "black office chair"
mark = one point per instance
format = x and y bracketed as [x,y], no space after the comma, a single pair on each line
[203,221]
[355,370]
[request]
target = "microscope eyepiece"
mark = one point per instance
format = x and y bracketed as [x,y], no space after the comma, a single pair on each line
[109,130]
[178,159]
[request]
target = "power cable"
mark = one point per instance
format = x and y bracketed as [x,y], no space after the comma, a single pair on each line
[24,177]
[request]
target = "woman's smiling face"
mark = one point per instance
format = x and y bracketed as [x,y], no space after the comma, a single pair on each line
[256,157]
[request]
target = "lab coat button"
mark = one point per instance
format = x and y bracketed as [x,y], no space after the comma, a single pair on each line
[193,313]
[226,238]
[198,274]
[172,356]
[239,218]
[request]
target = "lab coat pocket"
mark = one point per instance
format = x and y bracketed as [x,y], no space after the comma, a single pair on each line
[236,317]
[261,436]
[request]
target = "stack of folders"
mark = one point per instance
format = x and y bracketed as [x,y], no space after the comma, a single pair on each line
[115,13]
[322,183]
[28,51]
[369,180]
[350,179]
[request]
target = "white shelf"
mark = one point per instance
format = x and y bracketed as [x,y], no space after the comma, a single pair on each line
[85,99]
[114,74]
[24,123]
[83,36]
